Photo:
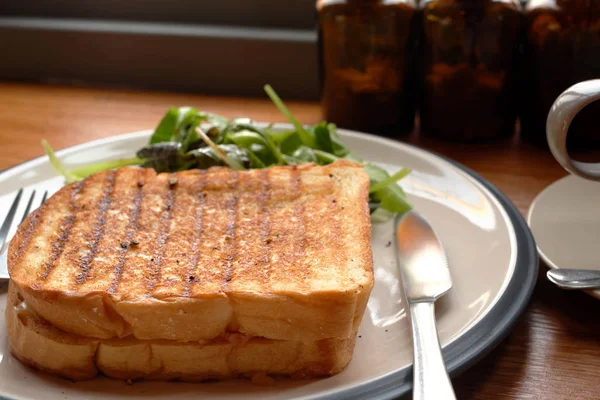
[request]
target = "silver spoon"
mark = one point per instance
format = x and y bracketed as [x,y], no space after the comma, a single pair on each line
[425,277]
[574,278]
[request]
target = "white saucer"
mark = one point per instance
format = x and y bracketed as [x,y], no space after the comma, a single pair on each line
[565,221]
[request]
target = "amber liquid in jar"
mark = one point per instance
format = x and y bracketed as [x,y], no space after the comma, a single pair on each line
[562,48]
[468,81]
[366,52]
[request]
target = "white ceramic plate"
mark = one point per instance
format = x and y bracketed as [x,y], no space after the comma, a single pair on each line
[492,259]
[565,220]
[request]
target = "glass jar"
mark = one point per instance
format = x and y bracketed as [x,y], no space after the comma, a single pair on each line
[366,50]
[468,82]
[562,48]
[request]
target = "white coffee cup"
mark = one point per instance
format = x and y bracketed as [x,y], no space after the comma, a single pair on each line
[565,108]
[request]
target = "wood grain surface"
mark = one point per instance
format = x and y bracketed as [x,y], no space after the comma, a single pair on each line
[554,351]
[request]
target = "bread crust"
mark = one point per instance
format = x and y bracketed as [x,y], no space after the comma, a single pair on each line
[40,345]
[282,253]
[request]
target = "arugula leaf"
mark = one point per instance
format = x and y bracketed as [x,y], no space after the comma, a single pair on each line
[255,162]
[391,197]
[255,143]
[339,149]
[246,138]
[189,119]
[87,170]
[231,161]
[324,158]
[207,157]
[305,153]
[280,136]
[290,144]
[289,160]
[216,120]
[323,137]
[58,165]
[272,147]
[390,180]
[80,173]
[166,128]
[162,157]
[306,138]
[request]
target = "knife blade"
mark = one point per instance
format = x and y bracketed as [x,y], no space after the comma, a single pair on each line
[425,277]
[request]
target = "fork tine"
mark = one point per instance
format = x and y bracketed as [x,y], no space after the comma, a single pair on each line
[44,197]
[26,213]
[9,219]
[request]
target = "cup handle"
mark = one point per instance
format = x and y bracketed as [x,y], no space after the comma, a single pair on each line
[561,114]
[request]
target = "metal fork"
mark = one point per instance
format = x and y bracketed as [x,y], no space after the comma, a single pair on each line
[8,224]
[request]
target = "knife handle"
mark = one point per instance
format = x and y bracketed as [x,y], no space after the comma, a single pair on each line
[430,378]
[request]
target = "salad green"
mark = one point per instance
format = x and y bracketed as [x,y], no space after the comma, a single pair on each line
[187,138]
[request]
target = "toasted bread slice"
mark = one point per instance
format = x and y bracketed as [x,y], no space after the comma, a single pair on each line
[282,253]
[38,344]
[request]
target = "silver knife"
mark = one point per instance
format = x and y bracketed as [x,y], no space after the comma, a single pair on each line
[426,277]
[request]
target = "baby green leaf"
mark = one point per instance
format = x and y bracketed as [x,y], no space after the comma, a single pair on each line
[323,137]
[306,138]
[58,165]
[166,128]
[230,161]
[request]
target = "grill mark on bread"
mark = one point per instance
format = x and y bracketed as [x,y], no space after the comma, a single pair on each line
[32,223]
[189,278]
[97,230]
[334,215]
[299,215]
[132,229]
[154,270]
[265,226]
[232,211]
[63,234]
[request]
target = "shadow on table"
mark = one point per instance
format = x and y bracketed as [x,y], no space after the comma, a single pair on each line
[574,311]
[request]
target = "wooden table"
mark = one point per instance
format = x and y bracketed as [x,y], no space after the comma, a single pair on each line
[554,351]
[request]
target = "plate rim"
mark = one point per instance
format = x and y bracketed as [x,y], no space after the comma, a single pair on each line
[479,339]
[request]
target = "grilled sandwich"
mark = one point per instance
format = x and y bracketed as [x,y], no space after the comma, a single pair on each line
[41,345]
[281,253]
